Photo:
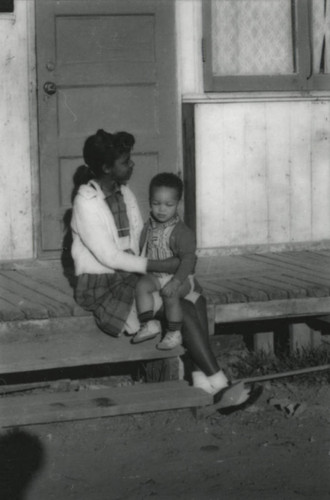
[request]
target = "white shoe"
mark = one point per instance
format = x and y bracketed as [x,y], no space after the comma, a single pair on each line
[147,332]
[170,341]
[201,381]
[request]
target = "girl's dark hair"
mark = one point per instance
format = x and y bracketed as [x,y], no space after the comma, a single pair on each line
[166,179]
[104,148]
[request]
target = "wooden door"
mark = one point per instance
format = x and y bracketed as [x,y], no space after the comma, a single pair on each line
[102,64]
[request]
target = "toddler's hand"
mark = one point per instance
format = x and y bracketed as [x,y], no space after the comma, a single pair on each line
[170,288]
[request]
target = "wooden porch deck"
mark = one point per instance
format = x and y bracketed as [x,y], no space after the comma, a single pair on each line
[42,327]
[236,283]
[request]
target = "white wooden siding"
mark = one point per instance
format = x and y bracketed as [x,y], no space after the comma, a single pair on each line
[262,168]
[263,173]
[16,241]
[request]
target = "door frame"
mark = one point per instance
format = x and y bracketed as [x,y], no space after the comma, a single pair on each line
[33,127]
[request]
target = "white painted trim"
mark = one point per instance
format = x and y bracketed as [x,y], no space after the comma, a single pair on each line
[239,97]
[33,122]
[8,16]
[179,92]
[264,248]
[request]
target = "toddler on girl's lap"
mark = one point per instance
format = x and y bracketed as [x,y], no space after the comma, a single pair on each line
[165,235]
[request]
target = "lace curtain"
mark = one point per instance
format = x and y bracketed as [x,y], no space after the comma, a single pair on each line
[252,37]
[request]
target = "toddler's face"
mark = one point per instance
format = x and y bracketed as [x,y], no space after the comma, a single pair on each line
[164,203]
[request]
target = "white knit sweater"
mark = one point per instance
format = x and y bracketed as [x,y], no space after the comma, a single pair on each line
[96,248]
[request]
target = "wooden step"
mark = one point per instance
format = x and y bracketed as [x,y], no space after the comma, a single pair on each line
[68,342]
[60,407]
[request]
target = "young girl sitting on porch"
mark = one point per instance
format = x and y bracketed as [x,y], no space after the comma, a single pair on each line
[106,227]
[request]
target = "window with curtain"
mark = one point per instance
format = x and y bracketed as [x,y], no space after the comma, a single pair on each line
[266,45]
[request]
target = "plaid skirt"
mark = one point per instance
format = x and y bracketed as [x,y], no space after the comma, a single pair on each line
[109,296]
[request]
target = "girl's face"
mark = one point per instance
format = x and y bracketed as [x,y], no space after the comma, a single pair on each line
[122,169]
[164,203]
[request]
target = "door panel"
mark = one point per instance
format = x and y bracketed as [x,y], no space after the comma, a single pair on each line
[113,64]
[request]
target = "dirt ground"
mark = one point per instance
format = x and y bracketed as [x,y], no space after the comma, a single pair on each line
[279,448]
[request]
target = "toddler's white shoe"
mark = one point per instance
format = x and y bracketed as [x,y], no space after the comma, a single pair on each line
[147,332]
[170,341]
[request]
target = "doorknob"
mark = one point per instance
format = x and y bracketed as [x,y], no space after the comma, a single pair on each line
[50,88]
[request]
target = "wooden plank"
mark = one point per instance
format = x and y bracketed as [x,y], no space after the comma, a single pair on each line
[312,257]
[273,292]
[223,294]
[60,407]
[45,286]
[264,341]
[300,336]
[253,293]
[301,166]
[54,301]
[255,161]
[320,174]
[290,269]
[304,263]
[294,262]
[292,290]
[9,312]
[67,342]
[52,276]
[274,309]
[30,310]
[211,318]
[278,171]
[311,290]
[323,253]
[310,281]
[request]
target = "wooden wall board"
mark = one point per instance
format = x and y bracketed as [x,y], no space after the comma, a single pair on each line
[277,168]
[300,202]
[263,172]
[320,173]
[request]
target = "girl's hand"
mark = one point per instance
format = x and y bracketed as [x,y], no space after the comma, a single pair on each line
[171,288]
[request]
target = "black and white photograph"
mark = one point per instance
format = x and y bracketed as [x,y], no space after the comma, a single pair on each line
[165,249]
